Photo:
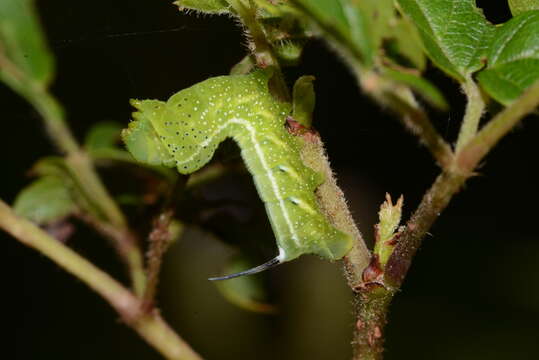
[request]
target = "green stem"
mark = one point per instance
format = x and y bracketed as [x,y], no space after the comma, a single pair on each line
[260,46]
[54,119]
[82,167]
[126,246]
[149,326]
[497,128]
[474,110]
[86,176]
[53,116]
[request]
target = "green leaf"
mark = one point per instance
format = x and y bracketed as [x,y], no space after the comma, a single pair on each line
[513,58]
[103,135]
[379,15]
[204,6]
[420,85]
[520,6]
[51,166]
[390,217]
[246,292]
[45,201]
[344,23]
[56,167]
[25,60]
[304,100]
[455,33]
[405,42]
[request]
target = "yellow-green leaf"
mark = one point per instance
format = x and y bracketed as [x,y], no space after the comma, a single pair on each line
[390,217]
[103,135]
[25,60]
[304,100]
[45,201]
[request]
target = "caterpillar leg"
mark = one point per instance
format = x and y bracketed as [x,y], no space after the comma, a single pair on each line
[265,266]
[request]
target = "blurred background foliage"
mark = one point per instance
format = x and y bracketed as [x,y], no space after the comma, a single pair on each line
[472,293]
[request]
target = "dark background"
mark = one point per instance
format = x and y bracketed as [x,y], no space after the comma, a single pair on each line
[473,290]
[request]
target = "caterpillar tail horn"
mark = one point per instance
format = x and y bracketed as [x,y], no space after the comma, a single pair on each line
[265,266]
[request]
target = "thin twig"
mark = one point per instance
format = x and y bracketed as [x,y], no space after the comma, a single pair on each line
[400,100]
[150,326]
[125,244]
[159,241]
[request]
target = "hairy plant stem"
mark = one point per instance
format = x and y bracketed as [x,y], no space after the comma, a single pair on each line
[150,326]
[159,240]
[333,204]
[260,46]
[474,110]
[371,303]
[370,300]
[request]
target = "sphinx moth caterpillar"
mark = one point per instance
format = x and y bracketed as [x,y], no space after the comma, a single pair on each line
[185,131]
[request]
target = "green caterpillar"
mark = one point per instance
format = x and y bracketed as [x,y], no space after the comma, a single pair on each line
[185,131]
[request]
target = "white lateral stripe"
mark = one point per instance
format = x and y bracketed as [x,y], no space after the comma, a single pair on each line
[267,169]
[265,166]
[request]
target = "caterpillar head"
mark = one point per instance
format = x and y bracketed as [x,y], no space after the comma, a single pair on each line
[140,137]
